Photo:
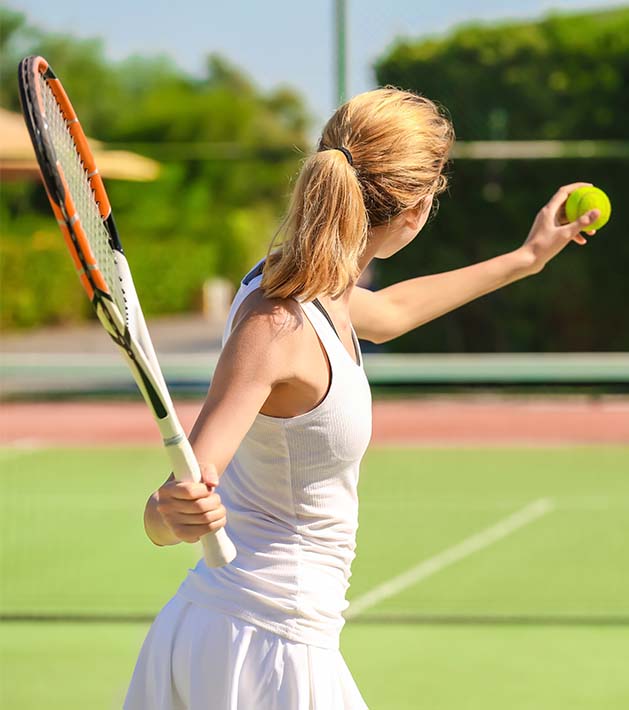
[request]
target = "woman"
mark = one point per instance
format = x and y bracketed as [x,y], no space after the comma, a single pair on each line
[287,418]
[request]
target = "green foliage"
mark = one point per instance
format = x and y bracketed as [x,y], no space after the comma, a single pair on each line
[577,303]
[38,281]
[226,152]
[227,149]
[565,77]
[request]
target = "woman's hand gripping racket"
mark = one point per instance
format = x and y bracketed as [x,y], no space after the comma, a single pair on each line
[78,199]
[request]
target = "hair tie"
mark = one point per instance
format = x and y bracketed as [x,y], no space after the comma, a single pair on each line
[347,154]
[343,150]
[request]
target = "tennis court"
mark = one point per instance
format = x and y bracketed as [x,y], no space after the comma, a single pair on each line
[485,577]
[492,569]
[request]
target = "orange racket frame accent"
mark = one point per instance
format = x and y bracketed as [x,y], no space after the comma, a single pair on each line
[66,213]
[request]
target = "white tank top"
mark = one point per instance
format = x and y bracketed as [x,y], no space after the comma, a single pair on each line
[292,505]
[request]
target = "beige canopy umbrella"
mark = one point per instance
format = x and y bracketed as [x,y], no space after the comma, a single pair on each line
[17,159]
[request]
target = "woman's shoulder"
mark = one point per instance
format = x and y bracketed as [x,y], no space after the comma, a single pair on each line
[267,337]
[272,328]
[269,314]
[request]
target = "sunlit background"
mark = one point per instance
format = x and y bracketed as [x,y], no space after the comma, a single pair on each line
[494,500]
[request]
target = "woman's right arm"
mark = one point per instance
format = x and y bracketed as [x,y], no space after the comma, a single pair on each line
[258,355]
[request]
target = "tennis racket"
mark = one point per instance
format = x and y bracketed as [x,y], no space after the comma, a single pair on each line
[80,204]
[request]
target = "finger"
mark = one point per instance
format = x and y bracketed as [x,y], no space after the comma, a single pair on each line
[194,507]
[193,533]
[210,516]
[581,224]
[579,239]
[186,490]
[586,219]
[563,192]
[190,533]
[187,535]
[209,475]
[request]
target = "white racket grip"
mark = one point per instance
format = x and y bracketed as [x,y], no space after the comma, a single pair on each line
[218,549]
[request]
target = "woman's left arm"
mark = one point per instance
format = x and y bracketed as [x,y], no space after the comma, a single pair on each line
[379,316]
[382,315]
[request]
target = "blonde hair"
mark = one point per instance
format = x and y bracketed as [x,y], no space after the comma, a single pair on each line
[398,143]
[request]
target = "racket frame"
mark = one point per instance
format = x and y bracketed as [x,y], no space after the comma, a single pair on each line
[131,335]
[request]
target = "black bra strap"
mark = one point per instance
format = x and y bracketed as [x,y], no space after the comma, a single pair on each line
[258,270]
[319,305]
[253,273]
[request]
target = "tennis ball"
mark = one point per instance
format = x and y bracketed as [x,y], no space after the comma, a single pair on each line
[585,199]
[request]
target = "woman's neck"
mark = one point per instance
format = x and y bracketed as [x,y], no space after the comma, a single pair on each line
[342,302]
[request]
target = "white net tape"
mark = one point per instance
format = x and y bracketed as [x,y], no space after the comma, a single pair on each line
[83,196]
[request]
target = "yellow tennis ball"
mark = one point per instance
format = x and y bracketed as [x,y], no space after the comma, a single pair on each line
[585,199]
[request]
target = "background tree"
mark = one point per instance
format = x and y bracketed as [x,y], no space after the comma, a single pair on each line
[564,77]
[227,152]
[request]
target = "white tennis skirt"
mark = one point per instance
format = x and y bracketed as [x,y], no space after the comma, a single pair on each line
[194,658]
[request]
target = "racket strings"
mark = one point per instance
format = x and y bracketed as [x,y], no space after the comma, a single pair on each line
[83,196]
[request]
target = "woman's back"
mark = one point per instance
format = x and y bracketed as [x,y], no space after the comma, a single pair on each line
[291,492]
[286,422]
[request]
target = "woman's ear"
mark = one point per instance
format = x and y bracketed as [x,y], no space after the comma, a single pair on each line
[423,208]
[413,216]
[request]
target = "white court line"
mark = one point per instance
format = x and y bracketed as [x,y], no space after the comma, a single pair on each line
[453,554]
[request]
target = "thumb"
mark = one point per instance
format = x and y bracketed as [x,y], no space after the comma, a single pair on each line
[586,219]
[209,475]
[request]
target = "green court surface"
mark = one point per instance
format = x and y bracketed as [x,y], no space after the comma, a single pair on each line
[501,577]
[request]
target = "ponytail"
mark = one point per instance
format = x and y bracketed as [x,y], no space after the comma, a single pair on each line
[323,234]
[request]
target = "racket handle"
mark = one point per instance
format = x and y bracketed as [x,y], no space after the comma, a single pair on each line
[218,549]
